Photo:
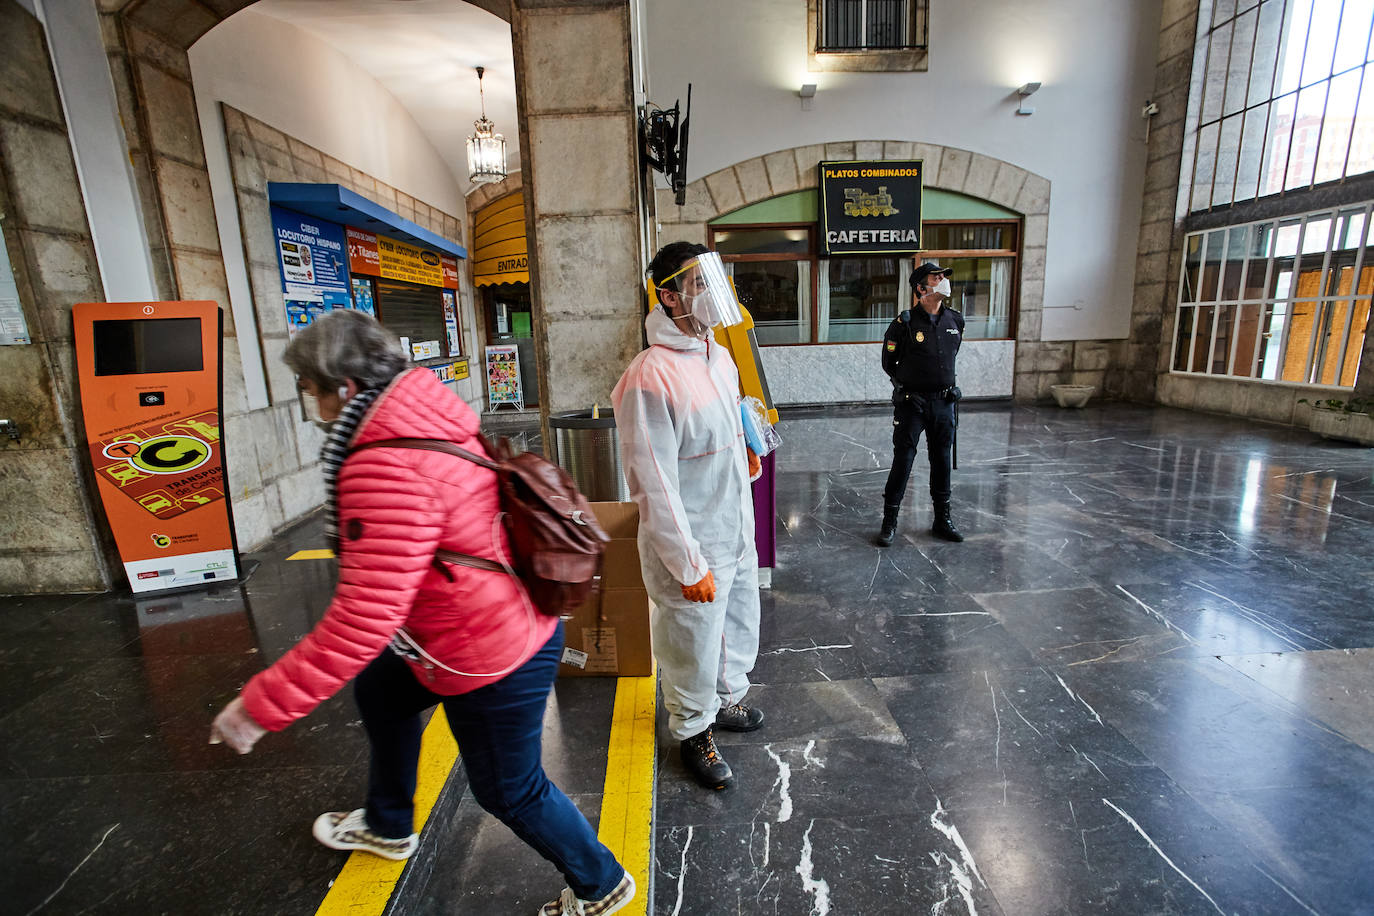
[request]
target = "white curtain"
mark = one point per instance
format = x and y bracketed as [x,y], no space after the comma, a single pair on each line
[822,299]
[999,298]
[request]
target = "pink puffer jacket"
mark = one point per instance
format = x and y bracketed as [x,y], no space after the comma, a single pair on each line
[396,506]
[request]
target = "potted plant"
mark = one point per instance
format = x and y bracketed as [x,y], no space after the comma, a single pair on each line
[1349,420]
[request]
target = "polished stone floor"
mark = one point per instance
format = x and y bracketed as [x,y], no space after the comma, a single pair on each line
[1142,685]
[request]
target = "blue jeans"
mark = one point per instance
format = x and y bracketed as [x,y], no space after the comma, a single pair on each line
[498,728]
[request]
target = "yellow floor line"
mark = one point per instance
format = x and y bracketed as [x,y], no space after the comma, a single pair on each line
[627,801]
[324,554]
[366,882]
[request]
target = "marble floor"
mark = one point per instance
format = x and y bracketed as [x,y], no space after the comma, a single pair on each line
[1143,686]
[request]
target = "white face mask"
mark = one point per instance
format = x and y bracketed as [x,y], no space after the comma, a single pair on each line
[943,287]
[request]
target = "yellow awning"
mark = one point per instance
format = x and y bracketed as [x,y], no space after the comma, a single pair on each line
[499,253]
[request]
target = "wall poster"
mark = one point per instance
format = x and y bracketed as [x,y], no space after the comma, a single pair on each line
[503,377]
[455,346]
[312,257]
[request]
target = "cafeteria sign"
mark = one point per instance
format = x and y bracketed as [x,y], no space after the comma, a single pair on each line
[871,207]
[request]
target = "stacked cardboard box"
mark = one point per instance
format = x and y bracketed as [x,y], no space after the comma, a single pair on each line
[609,635]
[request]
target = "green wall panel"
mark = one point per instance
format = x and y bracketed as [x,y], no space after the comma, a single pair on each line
[800,207]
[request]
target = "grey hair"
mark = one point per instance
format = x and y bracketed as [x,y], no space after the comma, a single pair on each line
[345,345]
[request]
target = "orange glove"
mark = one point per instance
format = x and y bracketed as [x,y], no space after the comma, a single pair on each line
[755,464]
[704,592]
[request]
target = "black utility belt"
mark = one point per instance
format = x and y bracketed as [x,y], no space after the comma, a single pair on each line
[949,395]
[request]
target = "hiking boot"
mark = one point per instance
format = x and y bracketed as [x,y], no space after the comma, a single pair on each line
[703,761]
[739,718]
[349,830]
[889,529]
[569,904]
[943,527]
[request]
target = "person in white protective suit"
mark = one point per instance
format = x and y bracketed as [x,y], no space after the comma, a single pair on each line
[688,467]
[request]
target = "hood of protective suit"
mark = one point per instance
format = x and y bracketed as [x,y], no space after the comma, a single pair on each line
[664,331]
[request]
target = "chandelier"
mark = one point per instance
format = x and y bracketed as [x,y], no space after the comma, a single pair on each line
[486,148]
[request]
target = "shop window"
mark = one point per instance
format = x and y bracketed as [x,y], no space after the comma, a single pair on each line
[797,297]
[772,267]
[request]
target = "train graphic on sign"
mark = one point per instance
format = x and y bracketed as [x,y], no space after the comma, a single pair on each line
[858,202]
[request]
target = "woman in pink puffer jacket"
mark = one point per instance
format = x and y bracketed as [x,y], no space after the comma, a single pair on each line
[415,633]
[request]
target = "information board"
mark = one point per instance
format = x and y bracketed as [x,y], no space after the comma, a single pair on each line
[503,377]
[313,258]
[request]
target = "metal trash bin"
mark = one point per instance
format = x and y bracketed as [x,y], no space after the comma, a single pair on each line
[589,450]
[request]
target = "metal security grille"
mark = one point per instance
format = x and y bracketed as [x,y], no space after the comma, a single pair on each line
[868,25]
[1284,95]
[411,310]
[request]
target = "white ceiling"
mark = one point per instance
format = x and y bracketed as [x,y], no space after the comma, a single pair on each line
[425,52]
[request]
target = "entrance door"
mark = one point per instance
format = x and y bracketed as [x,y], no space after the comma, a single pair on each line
[509,321]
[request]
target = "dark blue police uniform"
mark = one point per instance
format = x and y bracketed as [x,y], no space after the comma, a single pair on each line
[918,355]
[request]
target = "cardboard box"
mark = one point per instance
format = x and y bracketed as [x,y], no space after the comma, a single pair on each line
[609,635]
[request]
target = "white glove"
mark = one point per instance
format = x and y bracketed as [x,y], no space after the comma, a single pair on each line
[236,728]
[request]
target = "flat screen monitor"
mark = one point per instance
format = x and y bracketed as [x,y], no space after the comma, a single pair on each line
[145,345]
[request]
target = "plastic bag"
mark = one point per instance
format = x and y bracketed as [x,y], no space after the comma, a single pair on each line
[758,432]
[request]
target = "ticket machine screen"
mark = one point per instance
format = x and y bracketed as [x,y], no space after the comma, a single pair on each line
[143,345]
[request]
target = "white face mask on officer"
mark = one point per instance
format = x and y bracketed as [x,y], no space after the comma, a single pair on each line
[943,287]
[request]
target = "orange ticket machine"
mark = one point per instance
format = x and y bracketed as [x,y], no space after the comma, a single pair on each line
[151,378]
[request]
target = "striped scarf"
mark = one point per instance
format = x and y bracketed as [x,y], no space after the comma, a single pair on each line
[332,456]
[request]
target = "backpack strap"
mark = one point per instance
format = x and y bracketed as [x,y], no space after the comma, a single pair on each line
[431,445]
[442,556]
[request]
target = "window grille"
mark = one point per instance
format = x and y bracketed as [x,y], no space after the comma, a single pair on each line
[1283,300]
[1284,99]
[868,25]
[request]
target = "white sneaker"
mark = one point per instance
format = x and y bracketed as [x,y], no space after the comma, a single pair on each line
[349,830]
[569,904]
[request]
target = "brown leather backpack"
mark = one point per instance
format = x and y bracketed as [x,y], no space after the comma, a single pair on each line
[556,542]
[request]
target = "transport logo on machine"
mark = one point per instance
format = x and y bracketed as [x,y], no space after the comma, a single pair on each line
[167,469]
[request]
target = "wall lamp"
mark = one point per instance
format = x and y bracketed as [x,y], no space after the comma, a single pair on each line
[808,95]
[1023,92]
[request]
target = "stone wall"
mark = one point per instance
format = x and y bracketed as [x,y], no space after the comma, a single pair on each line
[48,527]
[1137,364]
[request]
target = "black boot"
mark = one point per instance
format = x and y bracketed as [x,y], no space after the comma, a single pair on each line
[703,761]
[943,527]
[889,529]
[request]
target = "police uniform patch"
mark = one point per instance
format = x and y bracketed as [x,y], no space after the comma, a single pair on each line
[920,336]
[891,345]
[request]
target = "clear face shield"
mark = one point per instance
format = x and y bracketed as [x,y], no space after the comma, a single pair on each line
[706,291]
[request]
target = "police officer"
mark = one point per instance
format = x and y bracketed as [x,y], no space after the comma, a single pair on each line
[918,355]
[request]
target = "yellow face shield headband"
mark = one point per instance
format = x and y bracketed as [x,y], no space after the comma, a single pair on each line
[712,302]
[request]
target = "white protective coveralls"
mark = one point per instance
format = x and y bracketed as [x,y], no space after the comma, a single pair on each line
[682,446]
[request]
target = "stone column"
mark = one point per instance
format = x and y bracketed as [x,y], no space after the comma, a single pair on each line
[50,539]
[582,201]
[1146,353]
